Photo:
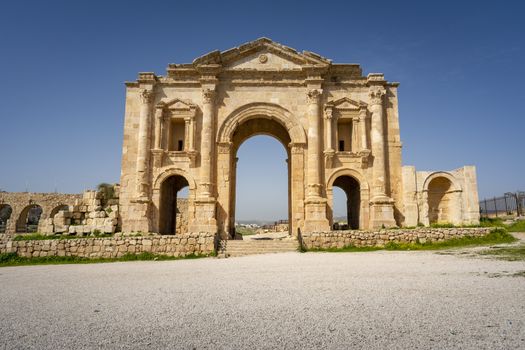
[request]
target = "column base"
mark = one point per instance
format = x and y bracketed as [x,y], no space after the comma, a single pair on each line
[382,212]
[315,219]
[205,220]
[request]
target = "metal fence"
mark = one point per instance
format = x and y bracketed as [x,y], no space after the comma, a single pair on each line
[510,204]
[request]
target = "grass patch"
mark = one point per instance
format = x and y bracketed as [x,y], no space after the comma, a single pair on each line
[245,231]
[12,259]
[518,226]
[497,236]
[41,237]
[516,253]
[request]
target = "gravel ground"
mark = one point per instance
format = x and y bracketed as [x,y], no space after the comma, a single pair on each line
[374,300]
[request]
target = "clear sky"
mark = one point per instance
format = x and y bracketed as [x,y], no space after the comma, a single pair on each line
[63,63]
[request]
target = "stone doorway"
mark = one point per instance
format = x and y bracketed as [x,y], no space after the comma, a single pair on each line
[169,213]
[351,188]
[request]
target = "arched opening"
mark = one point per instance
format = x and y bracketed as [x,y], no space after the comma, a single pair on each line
[440,201]
[5,215]
[263,194]
[28,219]
[173,213]
[352,190]
[58,208]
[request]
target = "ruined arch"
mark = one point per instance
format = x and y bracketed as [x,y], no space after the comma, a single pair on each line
[354,184]
[5,215]
[247,121]
[55,210]
[29,218]
[443,198]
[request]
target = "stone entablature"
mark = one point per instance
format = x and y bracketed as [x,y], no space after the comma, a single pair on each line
[330,118]
[340,239]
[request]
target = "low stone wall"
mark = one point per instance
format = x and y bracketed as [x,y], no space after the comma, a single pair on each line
[339,239]
[113,247]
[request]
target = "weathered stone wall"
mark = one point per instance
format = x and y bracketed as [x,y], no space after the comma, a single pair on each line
[114,247]
[18,201]
[339,239]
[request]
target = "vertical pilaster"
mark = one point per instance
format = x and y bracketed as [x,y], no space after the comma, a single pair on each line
[146,97]
[329,151]
[362,129]
[157,151]
[315,204]
[382,206]
[208,107]
[314,180]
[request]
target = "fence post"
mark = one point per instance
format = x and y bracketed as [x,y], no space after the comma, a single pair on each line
[495,206]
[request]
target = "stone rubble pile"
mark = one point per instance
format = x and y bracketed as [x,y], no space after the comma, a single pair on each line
[92,214]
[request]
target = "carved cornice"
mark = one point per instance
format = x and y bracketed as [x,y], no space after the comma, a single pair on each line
[376,94]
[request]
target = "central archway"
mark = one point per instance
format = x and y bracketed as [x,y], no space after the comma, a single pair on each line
[248,130]
[245,122]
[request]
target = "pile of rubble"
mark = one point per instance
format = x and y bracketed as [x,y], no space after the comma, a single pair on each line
[96,213]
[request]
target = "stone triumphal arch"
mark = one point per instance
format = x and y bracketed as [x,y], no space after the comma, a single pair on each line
[339,128]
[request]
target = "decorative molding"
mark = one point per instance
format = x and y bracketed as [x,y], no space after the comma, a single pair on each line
[296,147]
[224,147]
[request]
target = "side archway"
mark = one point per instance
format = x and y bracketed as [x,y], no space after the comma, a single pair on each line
[442,197]
[170,215]
[356,188]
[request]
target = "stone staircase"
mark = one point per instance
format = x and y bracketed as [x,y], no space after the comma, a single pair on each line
[231,248]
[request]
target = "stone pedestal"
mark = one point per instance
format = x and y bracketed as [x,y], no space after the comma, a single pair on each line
[204,216]
[382,213]
[315,210]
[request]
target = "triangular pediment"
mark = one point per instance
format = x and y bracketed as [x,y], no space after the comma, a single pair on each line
[345,103]
[177,104]
[261,54]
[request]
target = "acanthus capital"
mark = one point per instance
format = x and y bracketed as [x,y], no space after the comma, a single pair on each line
[208,95]
[376,94]
[328,113]
[146,96]
[313,95]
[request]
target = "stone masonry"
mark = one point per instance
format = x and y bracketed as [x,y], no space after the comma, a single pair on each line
[112,247]
[339,127]
[340,239]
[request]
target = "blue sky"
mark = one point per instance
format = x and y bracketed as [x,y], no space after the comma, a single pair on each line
[63,64]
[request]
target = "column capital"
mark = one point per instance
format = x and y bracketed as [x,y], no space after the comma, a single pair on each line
[146,96]
[209,95]
[328,113]
[376,94]
[313,95]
